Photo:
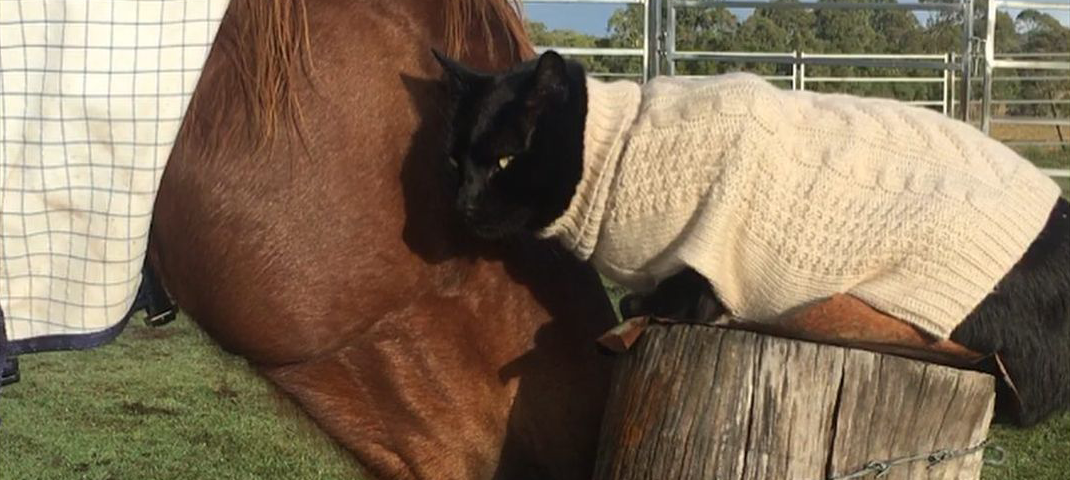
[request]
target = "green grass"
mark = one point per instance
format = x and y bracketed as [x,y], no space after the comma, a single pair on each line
[156,404]
[1050,158]
[166,404]
[1039,453]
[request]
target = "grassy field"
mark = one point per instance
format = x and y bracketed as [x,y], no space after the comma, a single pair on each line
[156,404]
[166,404]
[1044,157]
[1050,158]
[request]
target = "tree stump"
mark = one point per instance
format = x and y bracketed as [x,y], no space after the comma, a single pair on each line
[700,402]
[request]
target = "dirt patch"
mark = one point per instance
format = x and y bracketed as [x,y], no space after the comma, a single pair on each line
[225,391]
[1010,132]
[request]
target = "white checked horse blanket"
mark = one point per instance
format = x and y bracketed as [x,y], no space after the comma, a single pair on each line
[92,94]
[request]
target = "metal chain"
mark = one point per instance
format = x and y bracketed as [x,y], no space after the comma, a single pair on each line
[880,468]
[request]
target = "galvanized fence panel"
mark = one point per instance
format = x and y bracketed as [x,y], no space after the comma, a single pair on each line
[943,65]
[1044,67]
[953,71]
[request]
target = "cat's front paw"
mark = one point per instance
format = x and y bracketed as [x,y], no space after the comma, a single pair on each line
[635,305]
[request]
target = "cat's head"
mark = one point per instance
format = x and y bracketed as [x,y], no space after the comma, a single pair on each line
[515,142]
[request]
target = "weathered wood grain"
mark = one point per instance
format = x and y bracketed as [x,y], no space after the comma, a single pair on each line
[699,402]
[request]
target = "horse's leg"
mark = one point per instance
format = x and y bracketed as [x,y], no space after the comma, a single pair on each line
[411,403]
[403,401]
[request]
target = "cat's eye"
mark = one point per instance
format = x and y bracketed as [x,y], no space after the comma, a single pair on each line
[504,161]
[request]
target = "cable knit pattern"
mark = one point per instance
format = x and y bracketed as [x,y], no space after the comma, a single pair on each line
[784,198]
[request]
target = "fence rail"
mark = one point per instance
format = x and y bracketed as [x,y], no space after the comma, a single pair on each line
[947,7]
[646,53]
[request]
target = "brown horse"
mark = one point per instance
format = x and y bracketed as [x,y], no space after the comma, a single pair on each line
[301,222]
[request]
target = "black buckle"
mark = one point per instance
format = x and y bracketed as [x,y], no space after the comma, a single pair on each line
[9,372]
[159,319]
[151,297]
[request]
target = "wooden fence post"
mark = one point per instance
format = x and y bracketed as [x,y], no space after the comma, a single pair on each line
[705,403]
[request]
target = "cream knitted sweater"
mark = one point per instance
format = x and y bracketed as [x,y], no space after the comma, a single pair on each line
[784,198]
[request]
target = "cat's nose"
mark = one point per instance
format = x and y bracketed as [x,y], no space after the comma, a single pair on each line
[467,208]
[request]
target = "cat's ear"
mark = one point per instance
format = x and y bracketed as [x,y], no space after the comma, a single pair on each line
[461,78]
[551,79]
[549,88]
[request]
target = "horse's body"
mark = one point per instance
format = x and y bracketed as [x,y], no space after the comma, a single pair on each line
[327,257]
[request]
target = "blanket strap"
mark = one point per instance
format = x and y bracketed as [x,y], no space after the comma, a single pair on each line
[9,371]
[153,298]
[9,367]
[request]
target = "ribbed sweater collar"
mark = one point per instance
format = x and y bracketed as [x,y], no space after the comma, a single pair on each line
[611,110]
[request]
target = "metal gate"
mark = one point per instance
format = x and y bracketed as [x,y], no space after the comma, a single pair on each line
[660,54]
[954,70]
[1040,63]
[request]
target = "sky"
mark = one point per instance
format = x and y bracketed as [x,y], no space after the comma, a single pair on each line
[591,18]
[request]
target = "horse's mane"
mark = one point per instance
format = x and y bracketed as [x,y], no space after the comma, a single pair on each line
[462,15]
[272,43]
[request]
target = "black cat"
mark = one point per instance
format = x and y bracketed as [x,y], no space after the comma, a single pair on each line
[503,130]
[517,144]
